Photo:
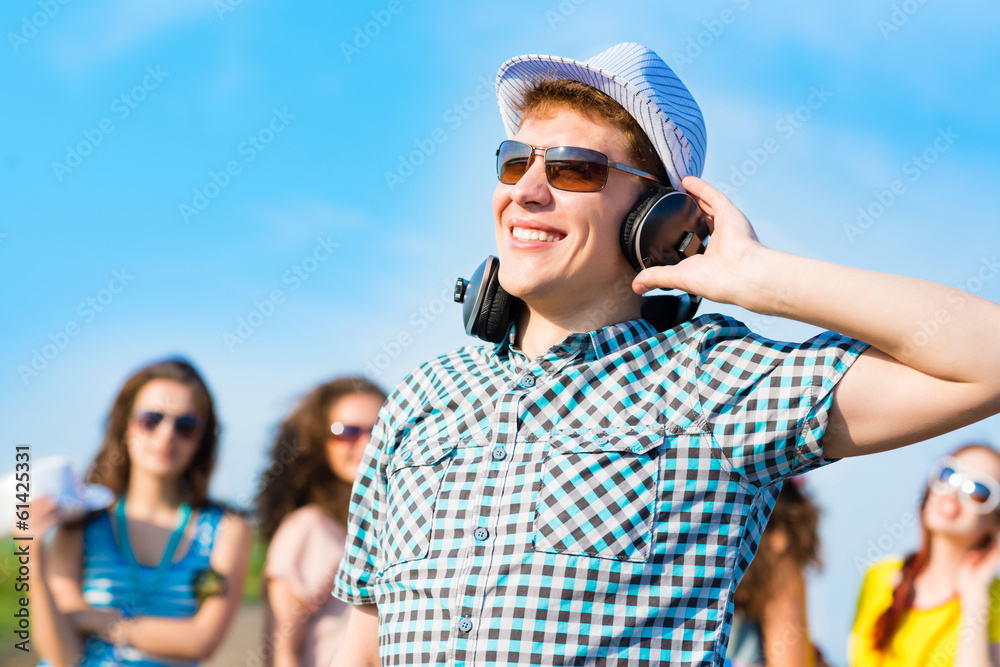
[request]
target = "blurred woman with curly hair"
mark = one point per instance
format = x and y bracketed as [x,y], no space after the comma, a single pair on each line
[769,622]
[303,508]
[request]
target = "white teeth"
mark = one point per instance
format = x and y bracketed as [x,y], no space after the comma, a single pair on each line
[535,235]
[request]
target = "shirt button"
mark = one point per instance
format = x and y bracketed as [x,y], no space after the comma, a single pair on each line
[528,381]
[499,454]
[481,534]
[465,625]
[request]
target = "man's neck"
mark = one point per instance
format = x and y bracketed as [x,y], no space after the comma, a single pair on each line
[539,330]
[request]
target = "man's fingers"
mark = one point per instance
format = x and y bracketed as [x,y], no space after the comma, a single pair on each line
[657,277]
[710,199]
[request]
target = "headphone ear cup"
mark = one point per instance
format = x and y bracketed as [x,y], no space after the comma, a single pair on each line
[494,317]
[629,227]
[494,313]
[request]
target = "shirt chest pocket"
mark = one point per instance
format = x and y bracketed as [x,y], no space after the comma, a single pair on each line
[414,480]
[597,496]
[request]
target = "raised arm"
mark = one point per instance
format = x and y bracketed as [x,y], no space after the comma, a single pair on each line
[934,364]
[973,583]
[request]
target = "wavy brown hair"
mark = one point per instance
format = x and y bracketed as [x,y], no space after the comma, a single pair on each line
[112,465]
[549,95]
[299,473]
[905,590]
[796,519]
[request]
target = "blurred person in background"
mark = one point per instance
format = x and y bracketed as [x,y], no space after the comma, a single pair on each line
[303,508]
[769,619]
[155,579]
[940,605]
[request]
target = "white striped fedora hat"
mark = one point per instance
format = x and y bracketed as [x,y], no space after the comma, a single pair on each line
[636,78]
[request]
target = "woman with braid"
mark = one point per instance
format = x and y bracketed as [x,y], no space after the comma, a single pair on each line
[940,606]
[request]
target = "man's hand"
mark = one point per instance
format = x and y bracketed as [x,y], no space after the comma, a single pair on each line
[716,274]
[914,383]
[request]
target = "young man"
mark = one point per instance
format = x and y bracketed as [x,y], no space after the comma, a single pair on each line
[590,491]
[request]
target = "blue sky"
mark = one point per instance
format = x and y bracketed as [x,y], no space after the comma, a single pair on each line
[336,183]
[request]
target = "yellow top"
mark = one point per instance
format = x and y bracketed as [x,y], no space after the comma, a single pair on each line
[925,637]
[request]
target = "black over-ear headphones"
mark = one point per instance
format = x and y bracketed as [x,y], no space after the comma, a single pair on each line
[664,227]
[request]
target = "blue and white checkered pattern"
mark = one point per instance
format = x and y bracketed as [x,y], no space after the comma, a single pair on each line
[595,505]
[107,583]
[636,78]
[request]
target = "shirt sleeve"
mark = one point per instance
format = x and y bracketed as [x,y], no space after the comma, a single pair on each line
[355,581]
[304,554]
[768,402]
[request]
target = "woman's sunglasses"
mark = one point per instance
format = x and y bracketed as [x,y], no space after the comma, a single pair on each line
[979,492]
[566,167]
[184,425]
[346,432]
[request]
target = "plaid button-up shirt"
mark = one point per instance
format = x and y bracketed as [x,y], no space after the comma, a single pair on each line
[595,505]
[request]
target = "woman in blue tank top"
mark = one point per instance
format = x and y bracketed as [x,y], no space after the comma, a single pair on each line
[156,579]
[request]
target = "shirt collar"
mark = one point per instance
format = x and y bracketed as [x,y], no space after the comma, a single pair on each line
[602,342]
[619,336]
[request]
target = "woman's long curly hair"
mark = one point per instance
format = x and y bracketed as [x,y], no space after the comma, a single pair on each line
[299,473]
[112,465]
[796,519]
[905,591]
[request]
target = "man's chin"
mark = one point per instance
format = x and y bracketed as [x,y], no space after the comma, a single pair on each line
[528,287]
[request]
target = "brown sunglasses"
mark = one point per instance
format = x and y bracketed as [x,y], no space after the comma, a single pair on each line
[566,167]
